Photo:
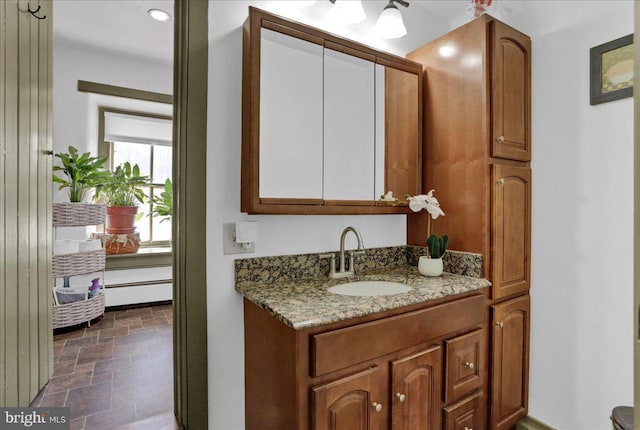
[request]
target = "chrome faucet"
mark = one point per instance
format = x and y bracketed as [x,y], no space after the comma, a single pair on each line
[342,272]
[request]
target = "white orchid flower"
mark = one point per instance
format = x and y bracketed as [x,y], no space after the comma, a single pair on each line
[428,202]
[434,210]
[417,203]
[430,199]
[388,197]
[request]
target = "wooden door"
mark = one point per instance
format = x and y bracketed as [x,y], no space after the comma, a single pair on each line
[511,93]
[510,362]
[511,213]
[356,402]
[417,384]
[26,355]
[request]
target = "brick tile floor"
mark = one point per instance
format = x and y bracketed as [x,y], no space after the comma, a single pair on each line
[115,373]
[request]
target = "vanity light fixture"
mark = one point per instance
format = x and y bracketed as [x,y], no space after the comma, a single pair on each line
[390,24]
[348,11]
[159,15]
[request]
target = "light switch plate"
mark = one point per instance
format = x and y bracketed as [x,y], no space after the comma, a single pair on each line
[229,245]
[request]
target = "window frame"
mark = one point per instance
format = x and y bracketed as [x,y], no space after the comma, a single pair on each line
[105,149]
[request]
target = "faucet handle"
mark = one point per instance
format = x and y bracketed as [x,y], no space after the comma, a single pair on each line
[332,262]
[352,258]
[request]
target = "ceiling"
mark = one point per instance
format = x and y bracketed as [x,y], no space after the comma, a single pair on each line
[124,27]
[448,9]
[121,26]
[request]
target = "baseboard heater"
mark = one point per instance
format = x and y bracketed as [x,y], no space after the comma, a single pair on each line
[140,283]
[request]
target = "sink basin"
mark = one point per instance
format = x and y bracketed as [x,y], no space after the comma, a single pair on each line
[370,288]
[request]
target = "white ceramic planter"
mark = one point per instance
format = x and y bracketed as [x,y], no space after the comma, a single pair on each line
[430,266]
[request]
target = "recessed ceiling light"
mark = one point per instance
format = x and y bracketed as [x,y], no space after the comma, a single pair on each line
[159,14]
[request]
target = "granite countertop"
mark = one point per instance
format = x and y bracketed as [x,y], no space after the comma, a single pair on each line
[303,303]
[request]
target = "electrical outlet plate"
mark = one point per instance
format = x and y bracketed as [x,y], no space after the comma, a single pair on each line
[229,245]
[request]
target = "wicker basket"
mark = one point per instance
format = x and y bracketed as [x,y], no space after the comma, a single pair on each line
[80,263]
[78,312]
[116,244]
[78,214]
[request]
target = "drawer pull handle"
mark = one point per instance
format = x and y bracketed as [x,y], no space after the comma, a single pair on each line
[468,428]
[377,406]
[469,365]
[500,139]
[401,397]
[500,324]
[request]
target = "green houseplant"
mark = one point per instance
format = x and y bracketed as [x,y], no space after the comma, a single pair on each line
[81,171]
[122,191]
[437,245]
[163,203]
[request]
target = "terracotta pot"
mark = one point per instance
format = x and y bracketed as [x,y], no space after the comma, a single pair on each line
[121,219]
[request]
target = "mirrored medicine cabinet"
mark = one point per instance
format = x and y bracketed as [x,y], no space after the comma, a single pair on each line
[329,125]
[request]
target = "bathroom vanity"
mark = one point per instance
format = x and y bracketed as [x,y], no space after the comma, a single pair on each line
[319,360]
[457,118]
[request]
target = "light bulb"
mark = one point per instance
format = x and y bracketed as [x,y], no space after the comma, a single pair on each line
[390,24]
[159,15]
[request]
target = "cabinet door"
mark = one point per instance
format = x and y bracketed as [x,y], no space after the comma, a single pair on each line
[511,208]
[291,82]
[416,391]
[464,415]
[510,362]
[349,125]
[356,402]
[511,102]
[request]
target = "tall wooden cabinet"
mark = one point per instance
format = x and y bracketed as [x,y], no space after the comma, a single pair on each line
[477,128]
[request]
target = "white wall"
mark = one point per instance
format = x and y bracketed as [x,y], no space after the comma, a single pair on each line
[582,233]
[277,234]
[73,61]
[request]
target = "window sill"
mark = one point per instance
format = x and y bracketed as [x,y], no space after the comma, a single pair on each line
[144,258]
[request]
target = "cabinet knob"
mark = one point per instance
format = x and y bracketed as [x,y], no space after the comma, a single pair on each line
[500,139]
[377,406]
[500,324]
[401,397]
[500,181]
[469,365]
[468,428]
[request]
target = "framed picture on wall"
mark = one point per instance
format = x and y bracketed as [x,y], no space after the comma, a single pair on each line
[612,70]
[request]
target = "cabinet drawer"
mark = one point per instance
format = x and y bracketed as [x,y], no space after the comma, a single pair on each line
[464,415]
[464,365]
[348,346]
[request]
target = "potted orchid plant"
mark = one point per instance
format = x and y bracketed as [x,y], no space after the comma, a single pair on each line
[431,264]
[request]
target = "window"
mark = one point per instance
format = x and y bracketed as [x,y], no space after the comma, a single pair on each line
[144,139]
